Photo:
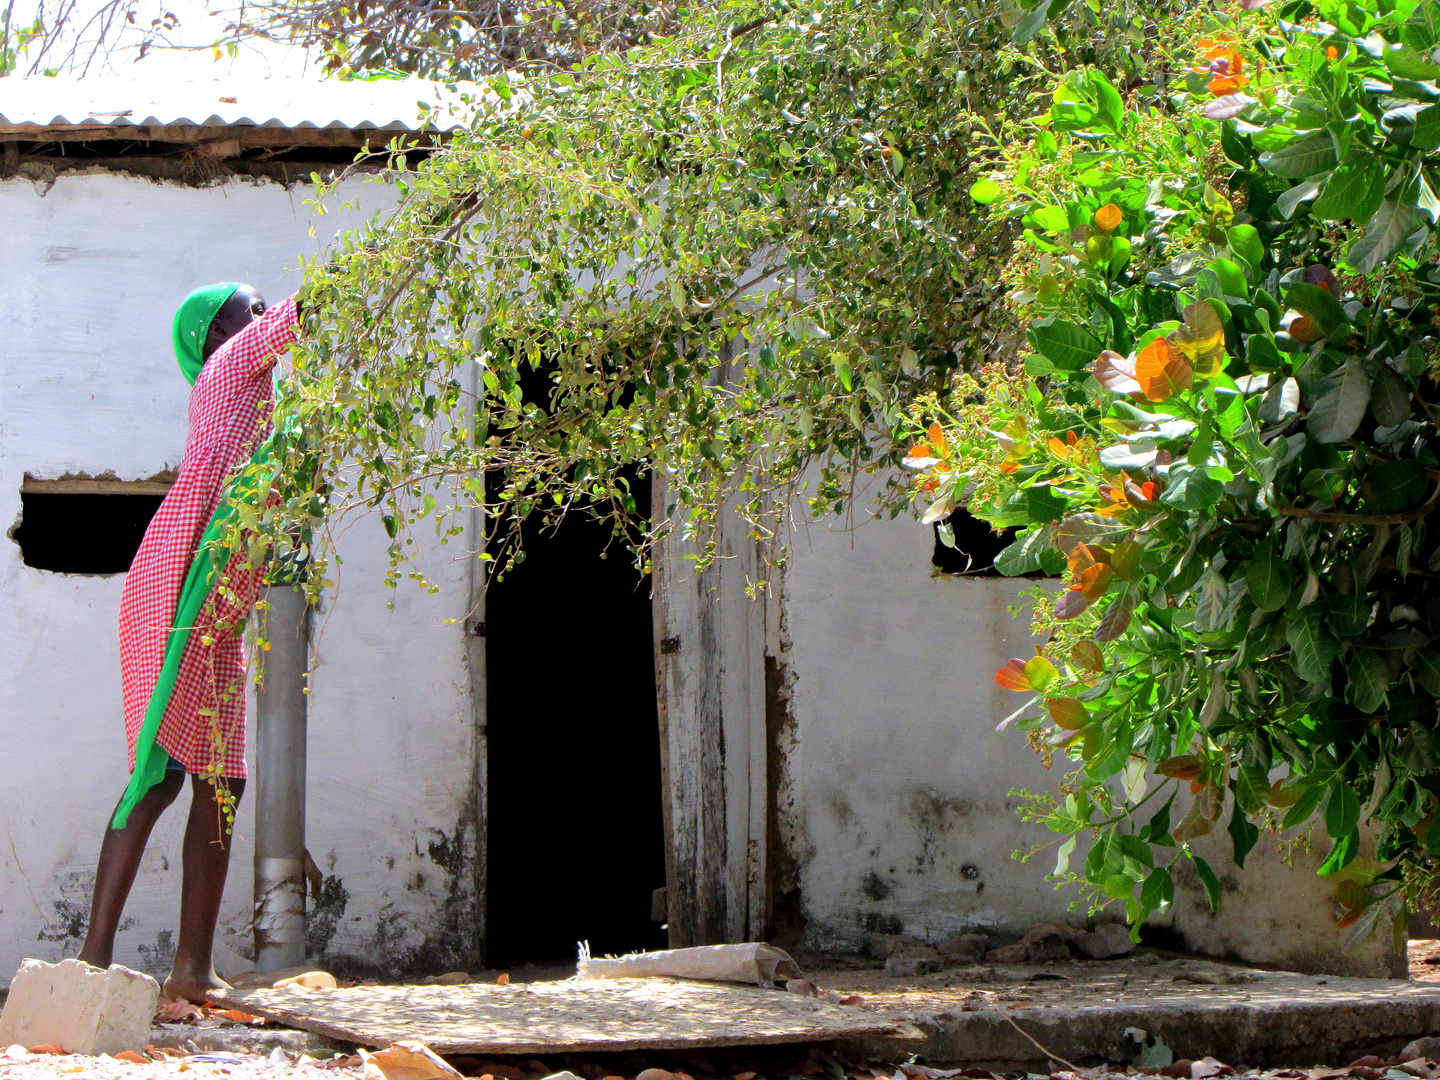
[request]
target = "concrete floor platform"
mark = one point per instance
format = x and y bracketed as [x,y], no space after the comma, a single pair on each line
[1089,1013]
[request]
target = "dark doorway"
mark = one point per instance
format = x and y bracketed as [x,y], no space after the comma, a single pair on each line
[82,534]
[575,838]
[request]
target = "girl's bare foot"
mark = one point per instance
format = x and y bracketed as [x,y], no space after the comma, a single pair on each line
[188,986]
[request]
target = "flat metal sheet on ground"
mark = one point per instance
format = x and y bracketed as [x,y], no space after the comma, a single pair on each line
[570,1016]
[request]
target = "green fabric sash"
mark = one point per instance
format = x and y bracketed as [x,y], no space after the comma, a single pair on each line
[210,559]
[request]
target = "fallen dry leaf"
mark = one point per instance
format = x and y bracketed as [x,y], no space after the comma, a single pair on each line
[502,979]
[406,1061]
[46,1048]
[172,1011]
[233,1014]
[132,1056]
[311,980]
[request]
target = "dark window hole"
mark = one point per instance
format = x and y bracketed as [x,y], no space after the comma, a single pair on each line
[82,534]
[976,546]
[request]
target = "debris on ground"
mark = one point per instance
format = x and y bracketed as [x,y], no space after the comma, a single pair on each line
[750,962]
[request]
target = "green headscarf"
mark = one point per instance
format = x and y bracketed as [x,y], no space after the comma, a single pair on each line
[192,325]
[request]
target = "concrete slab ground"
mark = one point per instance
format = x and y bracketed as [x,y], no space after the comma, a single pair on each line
[1093,1012]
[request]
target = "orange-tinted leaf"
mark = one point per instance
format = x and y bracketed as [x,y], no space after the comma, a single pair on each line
[1115,373]
[1161,371]
[921,450]
[1303,328]
[1008,467]
[1084,556]
[1071,604]
[132,1057]
[1140,495]
[1067,712]
[1094,581]
[1348,919]
[1201,338]
[1331,52]
[1194,824]
[1107,218]
[1184,767]
[1222,85]
[1040,672]
[1012,676]
[937,438]
[1087,654]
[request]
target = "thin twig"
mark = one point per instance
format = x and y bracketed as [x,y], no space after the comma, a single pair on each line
[1044,1050]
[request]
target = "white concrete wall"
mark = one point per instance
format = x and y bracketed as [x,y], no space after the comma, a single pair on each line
[90,273]
[901,820]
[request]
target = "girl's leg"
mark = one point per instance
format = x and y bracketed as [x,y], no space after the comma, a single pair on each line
[120,854]
[206,861]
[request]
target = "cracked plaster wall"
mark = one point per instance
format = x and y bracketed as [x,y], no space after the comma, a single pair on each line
[92,269]
[897,814]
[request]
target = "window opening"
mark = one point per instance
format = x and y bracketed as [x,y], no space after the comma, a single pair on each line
[84,526]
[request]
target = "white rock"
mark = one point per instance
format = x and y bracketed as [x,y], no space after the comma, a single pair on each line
[79,1008]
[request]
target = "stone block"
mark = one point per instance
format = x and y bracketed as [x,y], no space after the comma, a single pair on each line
[907,967]
[79,1008]
[1109,940]
[966,946]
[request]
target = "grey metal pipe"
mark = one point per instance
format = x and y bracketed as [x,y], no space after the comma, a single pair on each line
[280,732]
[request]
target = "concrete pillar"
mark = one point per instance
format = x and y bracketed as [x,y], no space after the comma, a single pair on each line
[280,784]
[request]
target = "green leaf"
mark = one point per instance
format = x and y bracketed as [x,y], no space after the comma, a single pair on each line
[1158,890]
[1118,886]
[1247,246]
[1243,834]
[1208,880]
[1303,157]
[1406,62]
[1342,812]
[1338,412]
[1112,106]
[1389,398]
[1191,489]
[1269,579]
[1063,853]
[1387,230]
[1345,849]
[1367,678]
[841,363]
[1157,829]
[985,191]
[1210,606]
[1426,670]
[1023,556]
[1043,505]
[1353,191]
[1316,650]
[1392,486]
[1032,23]
[1304,807]
[1067,346]
[1319,304]
[1427,129]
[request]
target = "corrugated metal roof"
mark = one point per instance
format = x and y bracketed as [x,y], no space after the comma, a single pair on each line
[287,104]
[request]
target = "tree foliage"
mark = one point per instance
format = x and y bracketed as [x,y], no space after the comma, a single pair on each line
[1224,437]
[730,256]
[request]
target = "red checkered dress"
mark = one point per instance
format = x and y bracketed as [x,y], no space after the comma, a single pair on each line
[229,414]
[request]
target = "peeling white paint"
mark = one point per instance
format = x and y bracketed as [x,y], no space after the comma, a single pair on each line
[90,275]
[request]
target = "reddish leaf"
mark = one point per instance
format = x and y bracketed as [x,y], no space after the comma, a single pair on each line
[921,450]
[1116,619]
[1193,825]
[1283,795]
[1012,676]
[937,438]
[1348,919]
[1353,896]
[1071,604]
[1084,556]
[1184,767]
[1068,712]
[1303,328]
[1319,274]
[1161,371]
[1115,373]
